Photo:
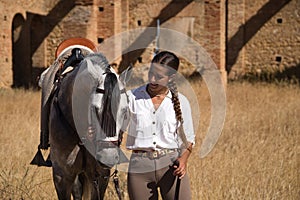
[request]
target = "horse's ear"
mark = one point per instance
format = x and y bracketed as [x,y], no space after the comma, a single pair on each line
[126,74]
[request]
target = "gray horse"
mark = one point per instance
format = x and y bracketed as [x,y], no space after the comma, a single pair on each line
[88,115]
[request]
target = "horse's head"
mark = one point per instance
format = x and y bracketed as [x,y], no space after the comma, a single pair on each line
[100,102]
[109,99]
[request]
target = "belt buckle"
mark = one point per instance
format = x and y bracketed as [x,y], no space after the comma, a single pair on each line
[155,154]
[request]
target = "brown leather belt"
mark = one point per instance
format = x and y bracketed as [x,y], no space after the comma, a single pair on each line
[155,154]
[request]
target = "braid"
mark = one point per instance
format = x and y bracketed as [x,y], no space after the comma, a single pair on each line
[175,100]
[176,105]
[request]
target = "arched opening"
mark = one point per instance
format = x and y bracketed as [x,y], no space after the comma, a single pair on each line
[21,52]
[38,51]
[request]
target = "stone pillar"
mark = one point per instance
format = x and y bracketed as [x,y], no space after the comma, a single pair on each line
[110,24]
[6,72]
[215,30]
[118,29]
[235,38]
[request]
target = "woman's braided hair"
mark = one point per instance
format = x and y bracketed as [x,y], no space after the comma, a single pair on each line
[170,60]
[176,104]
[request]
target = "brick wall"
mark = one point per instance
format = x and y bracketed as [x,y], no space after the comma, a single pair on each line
[182,16]
[14,11]
[276,45]
[263,37]
[259,36]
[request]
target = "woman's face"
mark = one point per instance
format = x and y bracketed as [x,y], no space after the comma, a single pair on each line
[158,77]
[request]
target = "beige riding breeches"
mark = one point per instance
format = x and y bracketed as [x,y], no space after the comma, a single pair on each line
[146,175]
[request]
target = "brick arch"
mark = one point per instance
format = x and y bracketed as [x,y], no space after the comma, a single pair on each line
[21,63]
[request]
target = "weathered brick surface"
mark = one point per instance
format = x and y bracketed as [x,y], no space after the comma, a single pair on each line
[262,36]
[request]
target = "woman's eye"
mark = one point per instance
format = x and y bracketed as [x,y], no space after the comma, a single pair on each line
[158,77]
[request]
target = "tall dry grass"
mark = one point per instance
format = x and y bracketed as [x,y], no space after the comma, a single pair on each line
[19,133]
[256,157]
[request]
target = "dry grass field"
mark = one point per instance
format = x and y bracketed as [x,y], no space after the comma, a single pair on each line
[256,157]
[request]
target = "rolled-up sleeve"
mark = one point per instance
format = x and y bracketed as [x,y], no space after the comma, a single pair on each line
[188,125]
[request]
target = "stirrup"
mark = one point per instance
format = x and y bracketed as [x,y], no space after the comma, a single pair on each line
[40,161]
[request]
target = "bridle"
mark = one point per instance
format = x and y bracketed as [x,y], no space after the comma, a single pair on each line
[102,91]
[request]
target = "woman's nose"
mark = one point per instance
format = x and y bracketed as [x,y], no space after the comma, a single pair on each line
[152,79]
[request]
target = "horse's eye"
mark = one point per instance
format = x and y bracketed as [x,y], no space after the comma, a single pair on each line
[124,112]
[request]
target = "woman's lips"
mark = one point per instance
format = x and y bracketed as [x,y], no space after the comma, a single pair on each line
[152,85]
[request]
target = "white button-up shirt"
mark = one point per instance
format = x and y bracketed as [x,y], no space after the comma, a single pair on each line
[151,129]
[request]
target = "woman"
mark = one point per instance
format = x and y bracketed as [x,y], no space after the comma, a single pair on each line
[156,134]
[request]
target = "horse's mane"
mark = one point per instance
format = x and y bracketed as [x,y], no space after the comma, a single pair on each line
[98,59]
[110,104]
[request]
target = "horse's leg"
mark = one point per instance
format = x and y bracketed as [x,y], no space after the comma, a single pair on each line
[97,177]
[100,187]
[63,183]
[85,188]
[77,189]
[100,182]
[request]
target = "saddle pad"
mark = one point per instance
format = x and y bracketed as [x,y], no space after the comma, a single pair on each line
[67,70]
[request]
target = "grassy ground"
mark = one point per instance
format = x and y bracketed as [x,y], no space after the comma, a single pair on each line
[256,157]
